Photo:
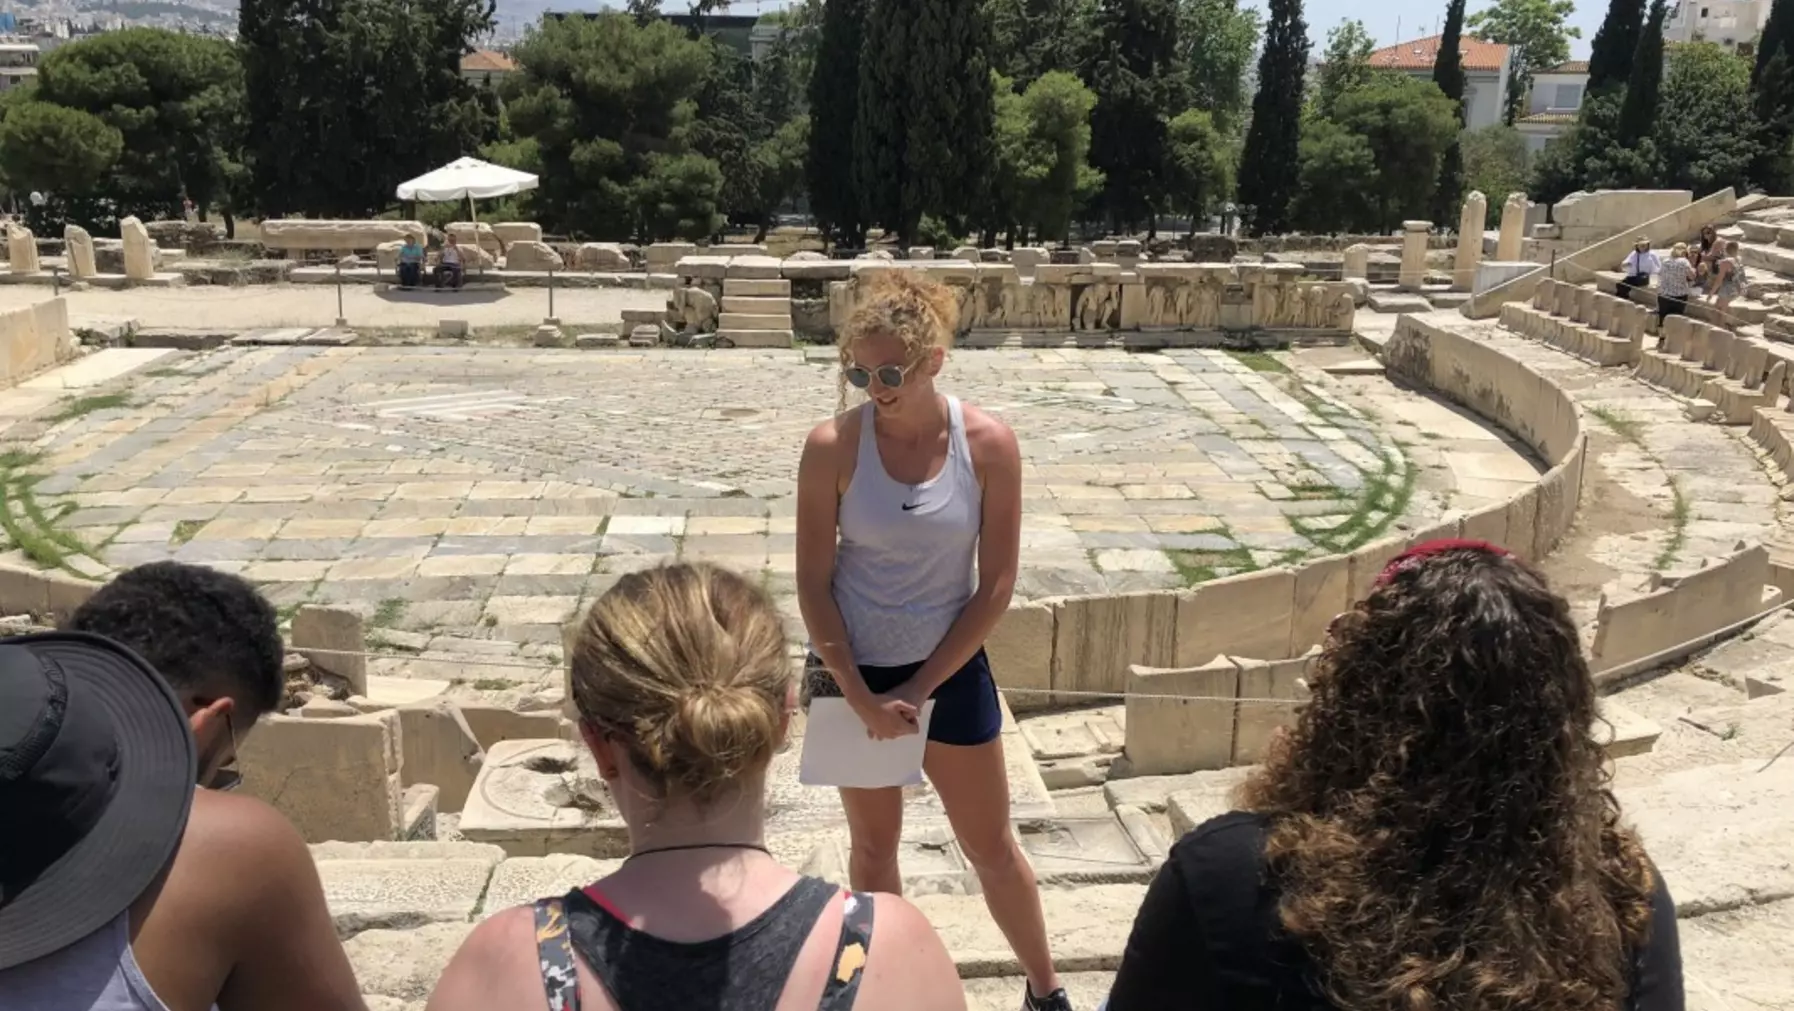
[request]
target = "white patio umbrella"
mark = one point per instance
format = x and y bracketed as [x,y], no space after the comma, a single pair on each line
[467,179]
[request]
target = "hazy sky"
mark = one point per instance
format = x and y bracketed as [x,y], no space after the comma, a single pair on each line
[1389,20]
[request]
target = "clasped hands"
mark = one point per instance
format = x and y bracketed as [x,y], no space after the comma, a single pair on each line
[896,713]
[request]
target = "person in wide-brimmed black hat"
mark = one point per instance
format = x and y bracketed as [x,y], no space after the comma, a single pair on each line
[122,885]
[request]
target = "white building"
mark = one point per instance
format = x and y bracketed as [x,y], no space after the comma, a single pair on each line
[1734,24]
[18,63]
[1553,104]
[1486,69]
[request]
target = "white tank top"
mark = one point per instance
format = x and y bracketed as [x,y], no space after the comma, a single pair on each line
[96,973]
[906,563]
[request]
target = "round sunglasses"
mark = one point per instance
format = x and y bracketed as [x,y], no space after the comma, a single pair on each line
[891,377]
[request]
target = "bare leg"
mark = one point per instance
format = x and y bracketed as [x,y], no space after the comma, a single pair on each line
[974,788]
[875,825]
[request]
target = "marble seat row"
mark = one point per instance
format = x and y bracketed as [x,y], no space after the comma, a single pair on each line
[1600,328]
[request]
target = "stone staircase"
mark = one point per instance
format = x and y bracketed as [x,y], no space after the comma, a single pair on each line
[755,314]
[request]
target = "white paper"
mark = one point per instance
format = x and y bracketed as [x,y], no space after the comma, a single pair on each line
[838,752]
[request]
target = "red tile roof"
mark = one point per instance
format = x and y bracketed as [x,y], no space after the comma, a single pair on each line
[1568,67]
[1420,54]
[487,61]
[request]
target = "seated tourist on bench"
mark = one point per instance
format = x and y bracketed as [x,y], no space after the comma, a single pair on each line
[411,262]
[448,265]
[684,694]
[132,889]
[1435,832]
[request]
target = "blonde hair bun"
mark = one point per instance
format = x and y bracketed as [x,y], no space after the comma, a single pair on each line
[686,663]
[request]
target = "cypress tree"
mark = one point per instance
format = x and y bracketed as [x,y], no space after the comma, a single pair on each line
[1139,87]
[1448,74]
[1772,86]
[1638,113]
[1778,35]
[926,112]
[1610,61]
[834,95]
[1269,162]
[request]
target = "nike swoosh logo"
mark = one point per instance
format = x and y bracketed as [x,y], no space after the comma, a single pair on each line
[908,506]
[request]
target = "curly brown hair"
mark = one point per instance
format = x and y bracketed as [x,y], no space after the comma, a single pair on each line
[1442,831]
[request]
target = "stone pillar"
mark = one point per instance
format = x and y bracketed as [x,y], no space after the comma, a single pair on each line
[79,247]
[1470,241]
[140,252]
[1414,240]
[21,247]
[1357,262]
[1513,228]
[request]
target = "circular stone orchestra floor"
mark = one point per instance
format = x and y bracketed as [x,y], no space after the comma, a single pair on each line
[487,492]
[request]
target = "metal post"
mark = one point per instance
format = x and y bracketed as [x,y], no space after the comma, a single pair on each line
[341,320]
[1553,272]
[551,314]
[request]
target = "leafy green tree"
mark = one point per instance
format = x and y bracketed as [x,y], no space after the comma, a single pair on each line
[346,99]
[1610,62]
[1057,108]
[608,106]
[1704,142]
[1408,125]
[834,109]
[1218,40]
[1448,74]
[1584,158]
[1495,164]
[176,100]
[1345,64]
[1201,161]
[1031,38]
[1538,35]
[49,147]
[923,131]
[1338,175]
[1139,85]
[1270,162]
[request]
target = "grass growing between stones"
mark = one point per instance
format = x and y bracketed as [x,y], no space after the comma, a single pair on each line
[80,407]
[1383,499]
[1202,566]
[186,530]
[388,613]
[1629,429]
[1678,531]
[1259,361]
[28,527]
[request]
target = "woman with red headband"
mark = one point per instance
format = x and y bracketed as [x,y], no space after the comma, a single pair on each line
[1435,832]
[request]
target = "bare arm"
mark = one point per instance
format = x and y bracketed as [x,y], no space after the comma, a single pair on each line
[999,458]
[287,955]
[818,509]
[496,967]
[908,967]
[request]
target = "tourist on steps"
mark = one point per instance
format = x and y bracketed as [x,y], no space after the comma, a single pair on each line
[1640,266]
[908,535]
[1674,284]
[122,886]
[685,693]
[1436,831]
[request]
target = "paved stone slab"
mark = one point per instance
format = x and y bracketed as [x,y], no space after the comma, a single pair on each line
[1087,928]
[400,885]
[522,880]
[1719,833]
[1738,959]
[1003,993]
[404,964]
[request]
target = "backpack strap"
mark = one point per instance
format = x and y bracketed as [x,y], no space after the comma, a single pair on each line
[849,966]
[554,946]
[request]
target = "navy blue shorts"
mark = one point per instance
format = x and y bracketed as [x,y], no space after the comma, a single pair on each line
[966,711]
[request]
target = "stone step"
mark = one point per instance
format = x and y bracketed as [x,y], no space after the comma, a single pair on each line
[1719,833]
[1087,990]
[756,306]
[395,885]
[1087,929]
[757,338]
[753,321]
[745,288]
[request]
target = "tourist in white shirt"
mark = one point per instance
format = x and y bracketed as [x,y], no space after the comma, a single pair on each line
[448,268]
[1641,265]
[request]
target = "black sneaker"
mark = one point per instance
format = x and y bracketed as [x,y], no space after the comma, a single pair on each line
[1055,1001]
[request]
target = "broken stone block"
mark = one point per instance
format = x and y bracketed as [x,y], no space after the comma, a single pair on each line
[333,639]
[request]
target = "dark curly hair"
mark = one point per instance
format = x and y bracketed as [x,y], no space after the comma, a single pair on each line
[207,632]
[1442,833]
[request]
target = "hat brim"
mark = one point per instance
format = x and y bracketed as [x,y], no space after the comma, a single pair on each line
[103,874]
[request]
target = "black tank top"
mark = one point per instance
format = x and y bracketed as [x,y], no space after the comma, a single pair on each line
[741,971]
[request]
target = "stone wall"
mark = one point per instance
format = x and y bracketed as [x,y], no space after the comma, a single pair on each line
[304,235]
[34,338]
[1251,635]
[1672,608]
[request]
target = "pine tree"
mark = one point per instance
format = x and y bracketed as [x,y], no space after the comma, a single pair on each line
[926,110]
[1448,74]
[1610,62]
[1638,113]
[834,95]
[1270,163]
[1139,87]
[1772,85]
